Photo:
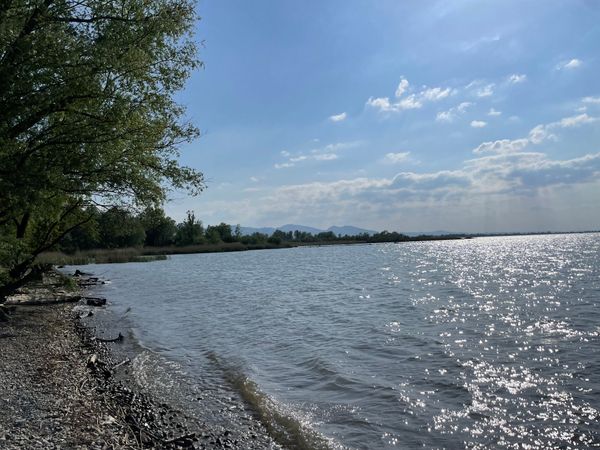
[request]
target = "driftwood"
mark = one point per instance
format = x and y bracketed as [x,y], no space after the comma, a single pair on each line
[122,363]
[117,339]
[185,440]
[52,301]
[96,365]
[95,301]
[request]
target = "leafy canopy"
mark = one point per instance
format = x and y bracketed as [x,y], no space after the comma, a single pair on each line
[88,115]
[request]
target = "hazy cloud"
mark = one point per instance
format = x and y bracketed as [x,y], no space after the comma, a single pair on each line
[517,78]
[395,158]
[510,174]
[485,91]
[325,157]
[572,64]
[325,153]
[283,165]
[452,113]
[492,112]
[338,117]
[537,135]
[478,123]
[436,94]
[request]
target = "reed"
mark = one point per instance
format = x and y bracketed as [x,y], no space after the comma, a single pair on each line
[101,256]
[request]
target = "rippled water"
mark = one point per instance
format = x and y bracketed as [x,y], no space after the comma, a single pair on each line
[489,342]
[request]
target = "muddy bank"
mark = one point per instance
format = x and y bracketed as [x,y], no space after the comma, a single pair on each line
[60,387]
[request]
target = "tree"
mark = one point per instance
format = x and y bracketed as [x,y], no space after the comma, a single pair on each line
[160,230]
[87,115]
[212,234]
[120,229]
[225,233]
[190,231]
[84,237]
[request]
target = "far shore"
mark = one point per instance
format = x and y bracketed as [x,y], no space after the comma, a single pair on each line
[147,254]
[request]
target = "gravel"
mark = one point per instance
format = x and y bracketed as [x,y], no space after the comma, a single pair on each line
[59,389]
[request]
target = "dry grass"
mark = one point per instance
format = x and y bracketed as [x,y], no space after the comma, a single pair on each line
[101,256]
[145,254]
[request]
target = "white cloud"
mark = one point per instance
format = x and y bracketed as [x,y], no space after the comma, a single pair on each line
[492,112]
[544,132]
[402,87]
[502,146]
[254,179]
[537,135]
[381,103]
[436,94]
[576,121]
[396,158]
[284,153]
[593,100]
[478,123]
[325,153]
[452,113]
[410,102]
[516,78]
[572,64]
[415,100]
[338,117]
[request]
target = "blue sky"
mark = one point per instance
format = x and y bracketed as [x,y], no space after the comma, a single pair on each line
[469,115]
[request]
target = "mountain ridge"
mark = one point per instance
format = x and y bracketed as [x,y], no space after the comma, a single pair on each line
[345,230]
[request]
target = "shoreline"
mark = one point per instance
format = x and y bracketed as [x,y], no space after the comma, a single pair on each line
[62,387]
[149,254]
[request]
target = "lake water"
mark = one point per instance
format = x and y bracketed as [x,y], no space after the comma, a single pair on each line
[489,342]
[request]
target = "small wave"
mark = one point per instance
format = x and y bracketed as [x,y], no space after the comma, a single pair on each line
[285,425]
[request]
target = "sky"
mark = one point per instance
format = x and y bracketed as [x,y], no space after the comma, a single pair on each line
[466,116]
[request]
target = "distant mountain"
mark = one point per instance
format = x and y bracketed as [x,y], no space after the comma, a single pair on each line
[428,233]
[346,230]
[246,231]
[349,230]
[291,227]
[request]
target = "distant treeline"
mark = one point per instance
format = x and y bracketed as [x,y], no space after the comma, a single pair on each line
[119,228]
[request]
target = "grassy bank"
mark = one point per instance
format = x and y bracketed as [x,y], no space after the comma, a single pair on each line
[145,254]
